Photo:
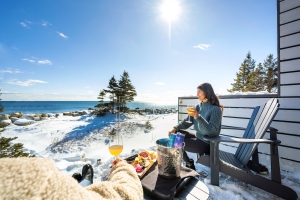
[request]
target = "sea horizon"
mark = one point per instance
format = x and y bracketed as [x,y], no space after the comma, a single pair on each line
[30,107]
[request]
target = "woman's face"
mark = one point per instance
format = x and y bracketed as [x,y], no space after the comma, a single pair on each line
[200,94]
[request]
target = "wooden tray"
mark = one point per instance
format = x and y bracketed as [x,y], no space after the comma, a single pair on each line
[140,174]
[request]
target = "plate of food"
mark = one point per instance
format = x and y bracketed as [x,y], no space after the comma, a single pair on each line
[143,162]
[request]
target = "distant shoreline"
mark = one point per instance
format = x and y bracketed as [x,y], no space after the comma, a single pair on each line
[31,107]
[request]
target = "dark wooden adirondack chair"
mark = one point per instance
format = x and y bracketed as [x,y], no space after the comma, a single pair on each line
[235,165]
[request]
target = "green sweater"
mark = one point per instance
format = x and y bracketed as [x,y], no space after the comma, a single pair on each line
[207,123]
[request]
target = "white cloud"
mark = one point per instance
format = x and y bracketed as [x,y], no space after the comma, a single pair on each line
[16,71]
[45,23]
[23,24]
[91,91]
[29,60]
[25,83]
[202,46]
[62,35]
[15,48]
[55,93]
[44,62]
[159,83]
[40,62]
[29,22]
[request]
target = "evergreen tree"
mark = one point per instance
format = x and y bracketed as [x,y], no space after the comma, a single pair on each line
[126,92]
[271,74]
[148,125]
[243,80]
[12,150]
[112,89]
[257,80]
[1,107]
[101,99]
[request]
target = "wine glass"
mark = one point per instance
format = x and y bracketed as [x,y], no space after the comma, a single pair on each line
[189,108]
[115,145]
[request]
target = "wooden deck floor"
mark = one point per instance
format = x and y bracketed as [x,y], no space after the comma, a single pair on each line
[195,189]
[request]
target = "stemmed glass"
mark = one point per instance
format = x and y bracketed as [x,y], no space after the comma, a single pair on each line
[189,108]
[115,145]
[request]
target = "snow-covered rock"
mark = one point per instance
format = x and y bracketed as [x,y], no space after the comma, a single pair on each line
[23,122]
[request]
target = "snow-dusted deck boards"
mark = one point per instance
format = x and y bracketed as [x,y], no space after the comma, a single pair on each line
[195,189]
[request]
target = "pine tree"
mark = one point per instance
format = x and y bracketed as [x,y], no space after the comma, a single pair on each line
[101,99]
[271,73]
[1,107]
[112,89]
[126,92]
[12,150]
[243,78]
[257,80]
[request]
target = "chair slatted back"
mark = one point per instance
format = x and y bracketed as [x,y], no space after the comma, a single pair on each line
[259,122]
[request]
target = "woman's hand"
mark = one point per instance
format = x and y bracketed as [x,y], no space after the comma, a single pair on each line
[193,112]
[116,161]
[172,131]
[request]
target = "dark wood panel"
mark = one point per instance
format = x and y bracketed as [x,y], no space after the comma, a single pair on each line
[290,53]
[290,78]
[287,5]
[292,65]
[290,90]
[290,28]
[290,40]
[290,16]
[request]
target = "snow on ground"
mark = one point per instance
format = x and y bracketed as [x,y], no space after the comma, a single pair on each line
[74,141]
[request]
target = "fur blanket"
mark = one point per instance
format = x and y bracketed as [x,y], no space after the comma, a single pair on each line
[38,178]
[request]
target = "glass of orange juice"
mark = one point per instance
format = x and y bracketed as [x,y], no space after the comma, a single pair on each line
[115,145]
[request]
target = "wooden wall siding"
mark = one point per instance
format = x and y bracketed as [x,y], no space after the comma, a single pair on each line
[289,16]
[237,113]
[288,66]
[290,90]
[290,40]
[290,53]
[290,78]
[290,28]
[288,5]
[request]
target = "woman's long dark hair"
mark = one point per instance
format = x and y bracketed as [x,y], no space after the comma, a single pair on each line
[210,94]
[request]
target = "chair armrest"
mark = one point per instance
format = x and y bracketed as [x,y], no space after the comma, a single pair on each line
[239,140]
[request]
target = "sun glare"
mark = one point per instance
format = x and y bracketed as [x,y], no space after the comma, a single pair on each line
[170,10]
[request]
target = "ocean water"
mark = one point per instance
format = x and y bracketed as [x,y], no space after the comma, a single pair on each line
[30,107]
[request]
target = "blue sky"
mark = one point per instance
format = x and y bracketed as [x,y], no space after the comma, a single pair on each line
[68,50]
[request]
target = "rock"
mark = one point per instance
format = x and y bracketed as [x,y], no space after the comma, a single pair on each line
[56,115]
[22,122]
[4,117]
[37,118]
[18,115]
[30,117]
[37,115]
[2,124]
[67,114]
[50,115]
[90,108]
[7,121]
[45,115]
[75,114]
[43,118]
[82,113]
[13,119]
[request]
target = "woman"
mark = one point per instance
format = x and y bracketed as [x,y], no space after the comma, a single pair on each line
[206,118]
[38,178]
